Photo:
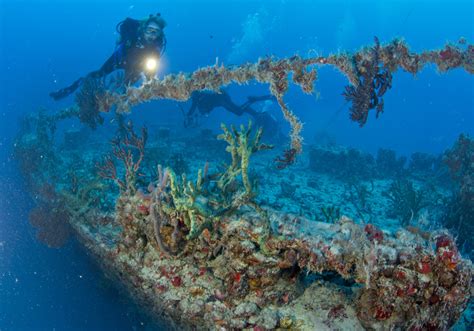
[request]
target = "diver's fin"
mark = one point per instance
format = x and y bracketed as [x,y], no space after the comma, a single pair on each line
[64,92]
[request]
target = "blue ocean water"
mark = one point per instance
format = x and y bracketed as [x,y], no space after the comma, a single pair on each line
[45,45]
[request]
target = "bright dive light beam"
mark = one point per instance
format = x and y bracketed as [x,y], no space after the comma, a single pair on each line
[151,64]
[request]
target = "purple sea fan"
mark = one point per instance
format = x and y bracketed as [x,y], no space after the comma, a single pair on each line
[51,223]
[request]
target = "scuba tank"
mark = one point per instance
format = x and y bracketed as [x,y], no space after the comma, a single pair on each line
[128,31]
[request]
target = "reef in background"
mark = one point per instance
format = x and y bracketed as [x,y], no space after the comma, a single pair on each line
[207,251]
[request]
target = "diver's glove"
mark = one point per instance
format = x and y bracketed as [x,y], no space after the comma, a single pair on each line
[64,92]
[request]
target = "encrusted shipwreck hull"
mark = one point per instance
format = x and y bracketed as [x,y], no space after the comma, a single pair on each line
[204,253]
[321,276]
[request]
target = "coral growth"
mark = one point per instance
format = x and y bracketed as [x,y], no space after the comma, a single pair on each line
[51,218]
[191,249]
[287,159]
[423,163]
[345,164]
[368,70]
[202,251]
[388,164]
[460,161]
[241,147]
[130,150]
[358,195]
[459,215]
[88,100]
[373,82]
[331,213]
[404,282]
[178,163]
[34,148]
[190,208]
[406,201]
[419,291]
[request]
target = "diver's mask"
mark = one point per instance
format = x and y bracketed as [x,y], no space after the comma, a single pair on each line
[152,32]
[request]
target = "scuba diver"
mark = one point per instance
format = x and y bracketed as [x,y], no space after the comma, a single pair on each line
[141,45]
[204,102]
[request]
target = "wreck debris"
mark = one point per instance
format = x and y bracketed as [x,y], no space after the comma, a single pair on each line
[192,250]
[405,281]
[227,277]
[369,71]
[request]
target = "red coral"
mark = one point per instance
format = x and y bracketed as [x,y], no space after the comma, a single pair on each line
[382,313]
[338,312]
[130,149]
[143,209]
[447,252]
[424,266]
[176,281]
[373,233]
[443,241]
[450,258]
[237,277]
[399,274]
[411,290]
[434,299]
[400,293]
[446,54]
[160,288]
[164,272]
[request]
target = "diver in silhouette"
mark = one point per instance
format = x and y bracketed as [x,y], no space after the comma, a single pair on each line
[141,44]
[204,102]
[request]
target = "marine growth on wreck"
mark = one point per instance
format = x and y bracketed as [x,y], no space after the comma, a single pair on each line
[202,236]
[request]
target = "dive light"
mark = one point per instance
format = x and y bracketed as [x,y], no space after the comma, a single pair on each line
[151,64]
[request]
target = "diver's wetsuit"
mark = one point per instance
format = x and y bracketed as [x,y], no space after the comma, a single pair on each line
[205,102]
[131,59]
